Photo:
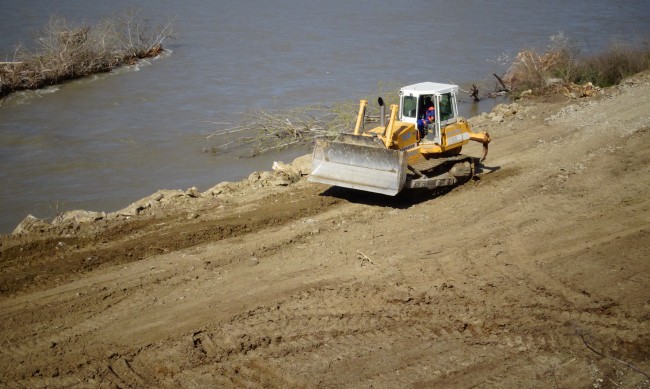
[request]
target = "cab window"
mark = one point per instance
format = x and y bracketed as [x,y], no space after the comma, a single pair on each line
[408,106]
[446,109]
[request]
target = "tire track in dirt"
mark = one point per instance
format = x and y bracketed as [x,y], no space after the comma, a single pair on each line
[321,326]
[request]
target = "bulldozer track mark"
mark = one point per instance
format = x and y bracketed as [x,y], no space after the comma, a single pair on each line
[204,342]
[237,372]
[404,375]
[258,373]
[361,338]
[324,330]
[489,377]
[339,326]
[120,373]
[426,362]
[368,339]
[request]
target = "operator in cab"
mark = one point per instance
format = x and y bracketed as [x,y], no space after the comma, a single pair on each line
[429,117]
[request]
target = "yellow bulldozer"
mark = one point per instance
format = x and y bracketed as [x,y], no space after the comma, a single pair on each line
[418,147]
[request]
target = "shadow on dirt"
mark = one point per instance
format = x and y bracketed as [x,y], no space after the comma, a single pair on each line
[403,200]
[479,168]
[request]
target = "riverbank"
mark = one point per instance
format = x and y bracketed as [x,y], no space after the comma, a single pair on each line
[511,280]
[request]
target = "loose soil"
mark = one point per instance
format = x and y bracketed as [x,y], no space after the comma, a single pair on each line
[534,274]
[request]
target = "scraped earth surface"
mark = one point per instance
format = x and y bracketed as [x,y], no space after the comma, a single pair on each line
[534,274]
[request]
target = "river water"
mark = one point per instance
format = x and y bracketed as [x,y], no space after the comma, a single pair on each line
[106,141]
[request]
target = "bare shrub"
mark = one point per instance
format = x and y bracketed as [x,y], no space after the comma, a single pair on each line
[562,65]
[610,67]
[63,52]
[540,72]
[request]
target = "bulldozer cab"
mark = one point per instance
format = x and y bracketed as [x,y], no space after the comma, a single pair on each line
[417,98]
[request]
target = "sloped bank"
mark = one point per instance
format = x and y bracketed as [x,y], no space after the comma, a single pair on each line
[166,201]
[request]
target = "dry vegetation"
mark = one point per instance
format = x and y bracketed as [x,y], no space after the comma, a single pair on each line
[262,131]
[562,65]
[64,52]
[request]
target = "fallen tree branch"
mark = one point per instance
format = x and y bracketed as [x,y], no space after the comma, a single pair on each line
[261,130]
[602,354]
[364,257]
[286,128]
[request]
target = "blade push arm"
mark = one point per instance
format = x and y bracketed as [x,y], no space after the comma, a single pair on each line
[362,112]
[483,138]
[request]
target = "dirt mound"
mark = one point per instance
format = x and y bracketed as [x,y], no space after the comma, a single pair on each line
[534,274]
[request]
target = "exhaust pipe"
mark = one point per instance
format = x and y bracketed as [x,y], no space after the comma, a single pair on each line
[382,112]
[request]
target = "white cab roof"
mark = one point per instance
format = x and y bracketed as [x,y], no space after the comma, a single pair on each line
[429,88]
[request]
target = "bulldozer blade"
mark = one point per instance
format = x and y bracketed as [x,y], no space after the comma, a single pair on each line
[359,162]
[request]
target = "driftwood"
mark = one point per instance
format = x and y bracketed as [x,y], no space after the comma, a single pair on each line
[503,85]
[474,93]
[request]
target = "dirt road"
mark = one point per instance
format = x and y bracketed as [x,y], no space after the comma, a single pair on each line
[535,274]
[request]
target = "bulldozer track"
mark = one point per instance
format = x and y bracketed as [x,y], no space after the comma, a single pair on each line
[424,165]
